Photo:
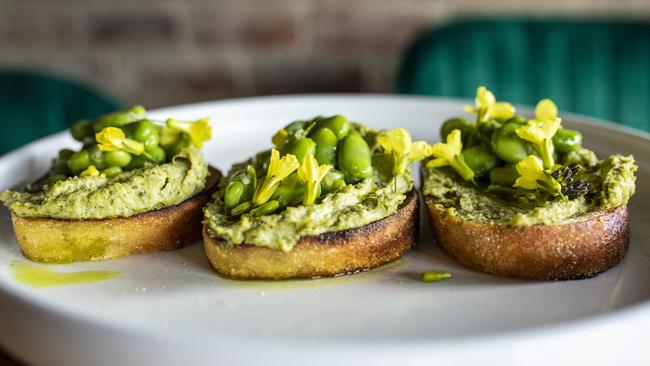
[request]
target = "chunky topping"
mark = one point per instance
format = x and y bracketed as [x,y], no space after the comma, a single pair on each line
[324,174]
[315,158]
[530,161]
[114,146]
[450,154]
[126,194]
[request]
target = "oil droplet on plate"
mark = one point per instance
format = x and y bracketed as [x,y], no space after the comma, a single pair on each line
[42,276]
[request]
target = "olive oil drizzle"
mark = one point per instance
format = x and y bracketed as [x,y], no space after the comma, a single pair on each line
[42,276]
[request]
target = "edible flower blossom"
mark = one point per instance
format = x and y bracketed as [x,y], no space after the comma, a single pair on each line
[91,171]
[398,143]
[277,171]
[113,138]
[199,131]
[533,176]
[486,106]
[312,174]
[450,154]
[540,131]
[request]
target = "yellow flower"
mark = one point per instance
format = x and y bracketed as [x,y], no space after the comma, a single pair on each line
[312,174]
[91,171]
[540,131]
[277,171]
[199,131]
[450,154]
[113,138]
[532,176]
[487,107]
[398,143]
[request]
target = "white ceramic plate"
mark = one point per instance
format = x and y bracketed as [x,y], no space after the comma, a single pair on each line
[171,308]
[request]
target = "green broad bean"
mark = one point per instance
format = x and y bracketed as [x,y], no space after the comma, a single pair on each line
[286,195]
[79,161]
[117,158]
[333,182]
[146,132]
[504,176]
[480,159]
[337,124]
[137,161]
[508,146]
[566,141]
[156,154]
[266,208]
[354,158]
[120,118]
[371,138]
[96,157]
[300,148]
[60,166]
[112,171]
[521,120]
[293,127]
[176,148]
[241,208]
[261,161]
[82,130]
[485,130]
[326,141]
[65,154]
[55,178]
[466,128]
[234,193]
[240,188]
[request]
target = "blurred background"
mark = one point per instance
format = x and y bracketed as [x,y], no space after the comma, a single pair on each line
[70,59]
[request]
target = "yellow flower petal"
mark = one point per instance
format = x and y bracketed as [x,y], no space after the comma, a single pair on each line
[279,168]
[113,138]
[91,171]
[501,110]
[420,150]
[484,98]
[398,143]
[110,139]
[312,174]
[199,131]
[530,171]
[545,110]
[449,153]
[531,132]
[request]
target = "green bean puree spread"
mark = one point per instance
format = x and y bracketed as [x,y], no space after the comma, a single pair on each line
[507,169]
[353,206]
[613,179]
[324,175]
[126,194]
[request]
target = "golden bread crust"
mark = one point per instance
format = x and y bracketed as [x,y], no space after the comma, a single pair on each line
[51,240]
[328,254]
[576,249]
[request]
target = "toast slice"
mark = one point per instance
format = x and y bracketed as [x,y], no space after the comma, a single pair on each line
[580,248]
[328,254]
[50,240]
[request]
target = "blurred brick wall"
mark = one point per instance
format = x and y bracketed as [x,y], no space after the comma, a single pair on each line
[174,51]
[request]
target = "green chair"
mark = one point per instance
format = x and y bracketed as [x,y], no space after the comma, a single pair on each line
[600,69]
[34,105]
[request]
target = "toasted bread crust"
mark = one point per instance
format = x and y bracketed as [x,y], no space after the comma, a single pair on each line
[50,240]
[328,254]
[573,250]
